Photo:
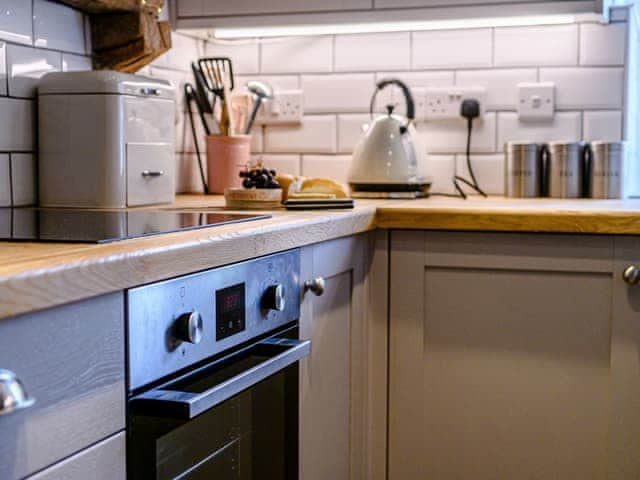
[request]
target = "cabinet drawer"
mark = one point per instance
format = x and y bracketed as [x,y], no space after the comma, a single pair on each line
[150,173]
[70,359]
[104,461]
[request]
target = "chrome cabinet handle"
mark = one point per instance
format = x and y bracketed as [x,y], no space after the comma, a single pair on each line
[631,275]
[152,173]
[150,91]
[13,395]
[316,286]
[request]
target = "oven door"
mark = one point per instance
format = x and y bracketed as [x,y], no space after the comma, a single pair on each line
[236,418]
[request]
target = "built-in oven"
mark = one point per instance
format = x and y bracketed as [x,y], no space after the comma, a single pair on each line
[213,373]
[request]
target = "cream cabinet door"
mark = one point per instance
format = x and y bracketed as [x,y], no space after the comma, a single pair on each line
[342,422]
[512,356]
[196,8]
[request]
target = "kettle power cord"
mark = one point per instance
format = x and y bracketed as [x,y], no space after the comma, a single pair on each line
[469,109]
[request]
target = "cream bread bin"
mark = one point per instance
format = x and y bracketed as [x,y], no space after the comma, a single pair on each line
[106,140]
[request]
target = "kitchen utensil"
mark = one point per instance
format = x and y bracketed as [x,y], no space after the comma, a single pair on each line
[241,104]
[605,167]
[226,157]
[261,92]
[523,170]
[563,169]
[218,76]
[389,156]
[201,94]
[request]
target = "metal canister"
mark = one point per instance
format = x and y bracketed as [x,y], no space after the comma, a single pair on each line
[606,161]
[523,169]
[564,169]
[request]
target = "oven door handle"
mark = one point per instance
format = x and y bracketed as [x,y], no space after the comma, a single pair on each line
[163,402]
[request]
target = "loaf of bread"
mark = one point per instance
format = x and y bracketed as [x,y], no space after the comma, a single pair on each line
[324,185]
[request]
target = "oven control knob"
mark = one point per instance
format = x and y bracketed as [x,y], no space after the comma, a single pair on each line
[273,298]
[188,327]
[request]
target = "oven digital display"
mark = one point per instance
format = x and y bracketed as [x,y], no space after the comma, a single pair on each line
[230,311]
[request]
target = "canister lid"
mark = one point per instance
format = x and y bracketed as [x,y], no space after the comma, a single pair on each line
[103,82]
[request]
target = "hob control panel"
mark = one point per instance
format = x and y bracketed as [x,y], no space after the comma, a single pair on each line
[176,323]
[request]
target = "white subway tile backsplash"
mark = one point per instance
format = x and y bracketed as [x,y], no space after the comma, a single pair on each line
[188,178]
[26,65]
[3,68]
[245,56]
[417,83]
[603,125]
[185,49]
[16,21]
[276,82]
[451,48]
[5,181]
[489,171]
[257,139]
[389,51]
[58,27]
[17,118]
[602,44]
[451,137]
[536,46]
[585,88]
[23,179]
[350,131]
[298,55]
[501,85]
[177,79]
[317,134]
[282,164]
[337,93]
[421,79]
[71,62]
[565,126]
[441,170]
[335,167]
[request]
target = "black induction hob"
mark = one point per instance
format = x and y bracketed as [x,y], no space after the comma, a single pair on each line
[99,226]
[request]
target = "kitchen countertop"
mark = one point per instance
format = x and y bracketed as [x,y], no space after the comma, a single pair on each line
[40,275]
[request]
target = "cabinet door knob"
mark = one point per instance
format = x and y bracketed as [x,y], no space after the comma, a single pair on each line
[631,275]
[13,396]
[316,286]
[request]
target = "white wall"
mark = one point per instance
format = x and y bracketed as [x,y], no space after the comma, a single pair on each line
[36,37]
[337,74]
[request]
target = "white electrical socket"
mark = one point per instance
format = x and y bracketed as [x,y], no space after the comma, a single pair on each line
[444,103]
[284,108]
[536,101]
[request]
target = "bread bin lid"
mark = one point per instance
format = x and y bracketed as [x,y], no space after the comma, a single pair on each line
[103,82]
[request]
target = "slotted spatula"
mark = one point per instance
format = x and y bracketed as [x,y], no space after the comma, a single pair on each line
[218,76]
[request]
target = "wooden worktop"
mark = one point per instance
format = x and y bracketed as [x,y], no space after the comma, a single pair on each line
[40,275]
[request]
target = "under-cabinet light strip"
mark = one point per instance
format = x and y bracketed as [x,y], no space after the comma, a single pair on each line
[383,27]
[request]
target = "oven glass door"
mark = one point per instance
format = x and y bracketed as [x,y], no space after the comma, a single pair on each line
[250,435]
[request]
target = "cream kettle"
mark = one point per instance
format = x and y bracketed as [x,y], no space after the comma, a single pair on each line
[389,156]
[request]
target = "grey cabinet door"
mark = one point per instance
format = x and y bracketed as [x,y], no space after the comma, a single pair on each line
[251,7]
[342,420]
[501,359]
[103,461]
[624,461]
[71,361]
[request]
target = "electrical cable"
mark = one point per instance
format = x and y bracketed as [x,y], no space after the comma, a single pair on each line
[189,96]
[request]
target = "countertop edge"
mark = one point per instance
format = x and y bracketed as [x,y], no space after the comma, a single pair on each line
[55,281]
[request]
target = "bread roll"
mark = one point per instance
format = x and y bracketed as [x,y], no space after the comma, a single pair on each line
[324,185]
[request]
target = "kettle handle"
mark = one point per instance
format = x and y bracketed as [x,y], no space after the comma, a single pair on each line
[385,82]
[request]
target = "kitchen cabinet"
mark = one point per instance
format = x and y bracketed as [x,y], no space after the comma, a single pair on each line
[343,381]
[272,13]
[102,461]
[513,356]
[245,7]
[70,360]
